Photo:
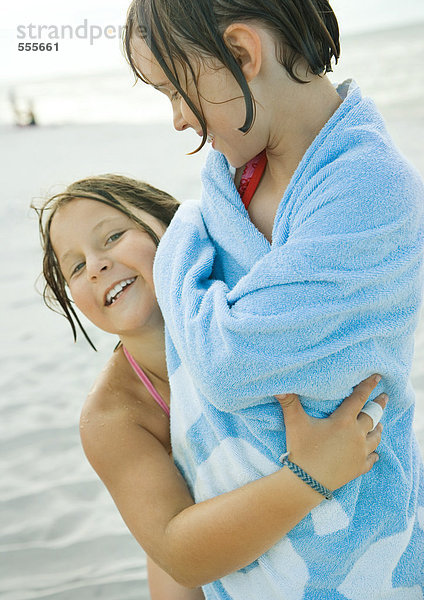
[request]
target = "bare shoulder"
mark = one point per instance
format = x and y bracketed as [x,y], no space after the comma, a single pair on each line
[112,392]
[117,411]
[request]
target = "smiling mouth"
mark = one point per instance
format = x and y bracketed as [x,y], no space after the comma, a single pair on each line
[113,294]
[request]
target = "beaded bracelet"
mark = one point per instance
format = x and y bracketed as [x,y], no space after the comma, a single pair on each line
[303,475]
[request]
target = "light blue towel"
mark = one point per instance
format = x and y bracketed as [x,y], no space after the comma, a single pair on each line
[333,299]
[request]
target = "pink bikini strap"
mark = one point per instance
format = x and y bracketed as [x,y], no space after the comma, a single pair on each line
[150,387]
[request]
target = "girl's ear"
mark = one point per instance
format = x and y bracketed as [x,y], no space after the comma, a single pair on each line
[246,46]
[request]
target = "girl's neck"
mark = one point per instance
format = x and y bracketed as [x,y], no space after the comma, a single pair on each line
[291,119]
[312,106]
[292,114]
[148,350]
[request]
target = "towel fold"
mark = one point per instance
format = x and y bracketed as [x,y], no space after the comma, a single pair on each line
[334,298]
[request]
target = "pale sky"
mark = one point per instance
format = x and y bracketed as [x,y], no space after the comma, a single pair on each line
[79,56]
[74,55]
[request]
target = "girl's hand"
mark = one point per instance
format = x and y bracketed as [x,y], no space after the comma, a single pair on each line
[339,448]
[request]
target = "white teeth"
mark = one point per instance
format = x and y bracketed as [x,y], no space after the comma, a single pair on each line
[117,289]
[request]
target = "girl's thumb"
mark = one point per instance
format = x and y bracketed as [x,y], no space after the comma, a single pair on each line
[289,403]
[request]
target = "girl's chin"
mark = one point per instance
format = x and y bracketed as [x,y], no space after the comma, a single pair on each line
[235,160]
[133,328]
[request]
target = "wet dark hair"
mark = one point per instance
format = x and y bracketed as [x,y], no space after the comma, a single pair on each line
[175,29]
[116,191]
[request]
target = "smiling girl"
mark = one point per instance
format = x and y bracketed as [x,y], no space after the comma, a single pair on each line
[99,239]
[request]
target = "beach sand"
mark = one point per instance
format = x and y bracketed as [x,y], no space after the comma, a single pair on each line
[61,536]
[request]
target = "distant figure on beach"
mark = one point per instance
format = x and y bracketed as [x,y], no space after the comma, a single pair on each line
[31,120]
[100,238]
[23,118]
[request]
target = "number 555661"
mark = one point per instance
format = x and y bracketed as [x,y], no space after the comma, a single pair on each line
[37,47]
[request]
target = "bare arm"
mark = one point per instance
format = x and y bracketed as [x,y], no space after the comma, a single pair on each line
[163,587]
[198,543]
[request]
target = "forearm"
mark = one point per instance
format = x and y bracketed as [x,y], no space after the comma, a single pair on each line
[208,540]
[193,543]
[199,543]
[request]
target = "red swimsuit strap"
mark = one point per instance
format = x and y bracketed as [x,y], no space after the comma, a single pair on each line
[251,177]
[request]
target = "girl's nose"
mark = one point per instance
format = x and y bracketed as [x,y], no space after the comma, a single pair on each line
[96,266]
[180,124]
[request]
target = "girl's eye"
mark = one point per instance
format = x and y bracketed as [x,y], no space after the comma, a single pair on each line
[114,237]
[78,268]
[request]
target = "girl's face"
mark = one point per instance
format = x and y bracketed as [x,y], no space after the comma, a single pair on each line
[219,97]
[107,262]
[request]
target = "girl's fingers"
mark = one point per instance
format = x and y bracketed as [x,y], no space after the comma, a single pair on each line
[365,419]
[371,460]
[374,437]
[291,406]
[358,398]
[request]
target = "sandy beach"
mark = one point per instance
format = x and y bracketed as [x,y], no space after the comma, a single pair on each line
[61,536]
